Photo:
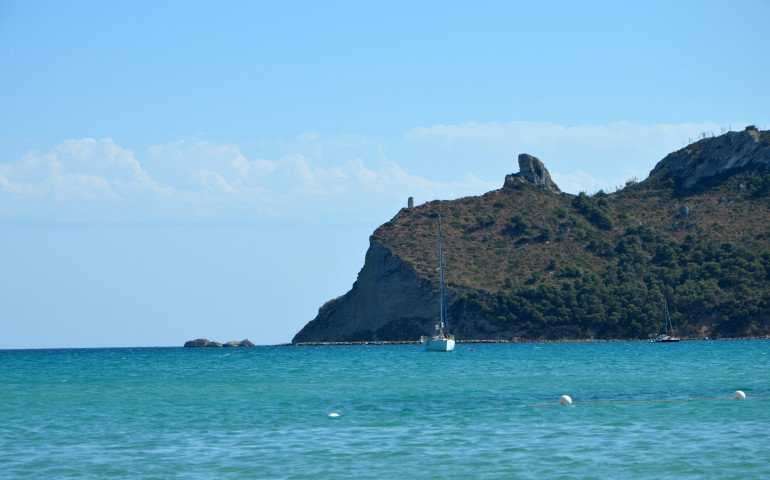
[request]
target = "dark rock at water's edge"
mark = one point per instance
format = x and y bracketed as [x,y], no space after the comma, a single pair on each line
[374,309]
[242,343]
[202,342]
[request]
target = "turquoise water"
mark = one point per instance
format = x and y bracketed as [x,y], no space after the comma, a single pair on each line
[264,412]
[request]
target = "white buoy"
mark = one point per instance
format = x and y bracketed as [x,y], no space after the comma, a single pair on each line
[739,395]
[333,415]
[565,400]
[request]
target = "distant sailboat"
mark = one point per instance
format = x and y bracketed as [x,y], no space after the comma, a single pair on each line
[664,337]
[441,341]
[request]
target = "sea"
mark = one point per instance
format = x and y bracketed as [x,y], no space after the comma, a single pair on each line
[484,411]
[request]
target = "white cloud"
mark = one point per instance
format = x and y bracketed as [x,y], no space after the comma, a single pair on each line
[212,179]
[314,175]
[336,176]
[182,163]
[77,186]
[214,182]
[580,181]
[85,170]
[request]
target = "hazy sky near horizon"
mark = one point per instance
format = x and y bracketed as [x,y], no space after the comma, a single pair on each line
[175,170]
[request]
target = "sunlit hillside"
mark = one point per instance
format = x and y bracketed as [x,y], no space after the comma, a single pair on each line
[537,264]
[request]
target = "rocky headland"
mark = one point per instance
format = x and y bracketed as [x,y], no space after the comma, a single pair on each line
[529,262]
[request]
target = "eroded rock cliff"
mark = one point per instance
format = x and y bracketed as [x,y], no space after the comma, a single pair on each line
[393,300]
[532,170]
[388,301]
[710,157]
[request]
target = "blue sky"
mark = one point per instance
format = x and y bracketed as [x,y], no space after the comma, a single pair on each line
[174,170]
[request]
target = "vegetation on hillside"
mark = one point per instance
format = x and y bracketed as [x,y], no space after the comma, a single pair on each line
[538,265]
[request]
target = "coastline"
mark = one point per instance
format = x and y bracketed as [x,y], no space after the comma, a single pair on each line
[383,342]
[515,340]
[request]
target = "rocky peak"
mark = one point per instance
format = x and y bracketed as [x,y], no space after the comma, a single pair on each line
[532,170]
[713,156]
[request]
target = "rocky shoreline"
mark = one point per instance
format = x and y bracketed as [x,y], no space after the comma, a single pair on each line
[517,340]
[205,343]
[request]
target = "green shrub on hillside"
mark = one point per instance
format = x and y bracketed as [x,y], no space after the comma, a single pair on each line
[625,301]
[595,209]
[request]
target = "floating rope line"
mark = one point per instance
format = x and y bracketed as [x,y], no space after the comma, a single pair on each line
[566,400]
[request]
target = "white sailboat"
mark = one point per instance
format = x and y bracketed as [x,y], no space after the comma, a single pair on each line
[441,340]
[664,337]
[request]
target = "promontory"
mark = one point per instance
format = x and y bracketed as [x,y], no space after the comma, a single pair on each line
[530,262]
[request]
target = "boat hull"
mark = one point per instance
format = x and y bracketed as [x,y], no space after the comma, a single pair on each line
[663,339]
[440,345]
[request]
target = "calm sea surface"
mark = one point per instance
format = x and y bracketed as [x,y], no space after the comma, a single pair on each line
[403,412]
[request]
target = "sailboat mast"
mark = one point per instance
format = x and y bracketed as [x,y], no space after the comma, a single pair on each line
[443,290]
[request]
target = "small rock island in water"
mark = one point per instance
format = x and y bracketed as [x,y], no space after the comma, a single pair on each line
[202,342]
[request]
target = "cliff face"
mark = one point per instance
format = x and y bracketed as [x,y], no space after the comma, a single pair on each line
[388,301]
[396,298]
[714,156]
[527,261]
